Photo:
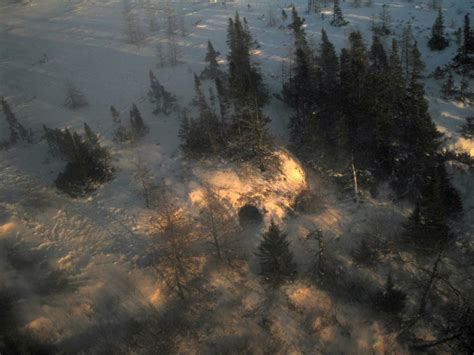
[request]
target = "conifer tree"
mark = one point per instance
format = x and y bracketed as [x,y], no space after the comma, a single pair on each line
[331,126]
[75,99]
[438,39]
[391,300]
[249,135]
[115,115]
[448,88]
[87,161]
[17,130]
[300,91]
[427,225]
[338,19]
[208,121]
[298,31]
[419,137]
[406,54]
[380,110]
[275,257]
[136,122]
[212,70]
[465,55]
[354,73]
[163,100]
[223,100]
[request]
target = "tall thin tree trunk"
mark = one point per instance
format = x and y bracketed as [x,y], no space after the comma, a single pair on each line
[354,179]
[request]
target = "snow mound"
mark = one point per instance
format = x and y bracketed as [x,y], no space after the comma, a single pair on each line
[272,192]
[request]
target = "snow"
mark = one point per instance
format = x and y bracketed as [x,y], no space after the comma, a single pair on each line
[96,240]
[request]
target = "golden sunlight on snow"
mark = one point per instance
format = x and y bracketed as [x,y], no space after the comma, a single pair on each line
[272,193]
[466,145]
[43,327]
[7,228]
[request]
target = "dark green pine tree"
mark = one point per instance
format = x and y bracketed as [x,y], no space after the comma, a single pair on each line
[300,91]
[275,257]
[245,80]
[300,94]
[391,300]
[338,19]
[223,99]
[419,138]
[155,93]
[428,224]
[248,133]
[465,53]
[298,31]
[87,162]
[208,122]
[331,125]
[448,89]
[212,70]
[17,131]
[438,40]
[396,87]
[380,115]
[354,74]
[137,124]
[284,15]
[115,114]
[163,100]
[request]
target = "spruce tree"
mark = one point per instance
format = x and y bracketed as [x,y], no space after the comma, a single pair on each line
[438,39]
[380,111]
[427,225]
[338,19]
[419,138]
[275,257]
[248,132]
[406,54]
[300,91]
[163,100]
[354,74]
[137,124]
[448,88]
[212,70]
[298,31]
[391,300]
[331,127]
[87,161]
[75,99]
[115,115]
[17,130]
[465,55]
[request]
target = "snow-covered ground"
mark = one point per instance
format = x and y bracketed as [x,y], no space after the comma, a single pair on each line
[44,44]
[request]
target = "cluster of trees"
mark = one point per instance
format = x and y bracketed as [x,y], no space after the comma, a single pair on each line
[464,59]
[160,16]
[231,124]
[17,131]
[130,131]
[450,89]
[87,165]
[163,100]
[363,114]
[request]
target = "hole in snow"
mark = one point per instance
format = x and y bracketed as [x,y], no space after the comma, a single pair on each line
[249,215]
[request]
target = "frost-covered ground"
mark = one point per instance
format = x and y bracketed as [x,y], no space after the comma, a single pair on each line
[97,240]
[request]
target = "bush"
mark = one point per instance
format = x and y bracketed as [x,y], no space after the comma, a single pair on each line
[390,300]
[87,162]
